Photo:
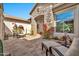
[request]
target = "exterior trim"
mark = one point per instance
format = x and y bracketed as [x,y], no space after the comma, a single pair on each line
[64,6]
[34,8]
[16,19]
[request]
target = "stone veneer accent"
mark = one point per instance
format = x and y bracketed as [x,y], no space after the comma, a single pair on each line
[42,10]
[48,10]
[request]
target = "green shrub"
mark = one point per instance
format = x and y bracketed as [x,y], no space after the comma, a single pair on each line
[56,38]
[1,48]
[46,35]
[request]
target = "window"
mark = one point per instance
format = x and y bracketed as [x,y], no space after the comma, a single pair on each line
[65,21]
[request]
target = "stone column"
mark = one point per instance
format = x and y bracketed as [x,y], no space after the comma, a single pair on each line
[76,21]
[45,24]
[52,22]
[49,20]
[34,26]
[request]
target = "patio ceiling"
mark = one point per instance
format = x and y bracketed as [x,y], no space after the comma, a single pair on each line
[63,6]
[40,17]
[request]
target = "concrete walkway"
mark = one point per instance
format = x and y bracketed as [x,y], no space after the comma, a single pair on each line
[32,37]
[23,47]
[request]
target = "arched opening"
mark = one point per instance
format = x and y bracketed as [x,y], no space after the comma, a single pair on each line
[40,21]
[20,29]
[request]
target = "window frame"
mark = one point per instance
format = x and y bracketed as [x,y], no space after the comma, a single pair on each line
[61,11]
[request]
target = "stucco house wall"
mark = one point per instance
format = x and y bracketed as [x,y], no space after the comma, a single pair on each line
[9,23]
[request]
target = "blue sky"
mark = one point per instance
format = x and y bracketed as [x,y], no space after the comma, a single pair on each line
[21,10]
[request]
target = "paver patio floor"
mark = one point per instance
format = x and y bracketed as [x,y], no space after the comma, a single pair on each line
[23,47]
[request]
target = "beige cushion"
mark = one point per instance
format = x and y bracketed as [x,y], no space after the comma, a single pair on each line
[61,49]
[49,43]
[74,48]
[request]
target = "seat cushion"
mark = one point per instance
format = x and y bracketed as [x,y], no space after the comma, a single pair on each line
[59,51]
[49,43]
[74,48]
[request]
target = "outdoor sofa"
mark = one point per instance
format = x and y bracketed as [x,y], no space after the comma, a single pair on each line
[56,45]
[63,51]
[56,49]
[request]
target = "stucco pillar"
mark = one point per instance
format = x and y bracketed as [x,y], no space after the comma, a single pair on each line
[2,28]
[76,21]
[34,26]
